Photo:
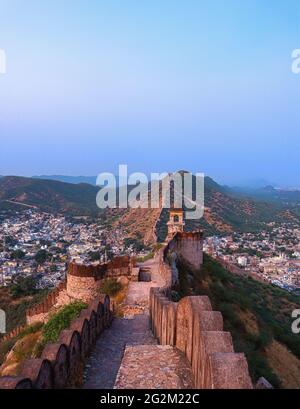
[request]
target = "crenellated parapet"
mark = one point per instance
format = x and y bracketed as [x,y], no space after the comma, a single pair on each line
[13,333]
[119,265]
[61,363]
[193,327]
[39,311]
[84,280]
[83,283]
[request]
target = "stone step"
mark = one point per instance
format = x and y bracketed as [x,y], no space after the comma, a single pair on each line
[154,367]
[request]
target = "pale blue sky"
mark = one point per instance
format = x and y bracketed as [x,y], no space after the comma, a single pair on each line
[159,85]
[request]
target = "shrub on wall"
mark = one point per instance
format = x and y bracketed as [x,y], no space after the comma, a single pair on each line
[148,256]
[61,321]
[111,287]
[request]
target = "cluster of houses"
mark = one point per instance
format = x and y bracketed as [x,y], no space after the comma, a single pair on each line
[272,254]
[39,244]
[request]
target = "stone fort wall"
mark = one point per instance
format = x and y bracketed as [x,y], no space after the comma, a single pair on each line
[188,245]
[39,312]
[190,325]
[82,283]
[194,328]
[61,363]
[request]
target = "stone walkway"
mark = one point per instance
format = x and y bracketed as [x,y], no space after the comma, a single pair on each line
[154,367]
[105,360]
[128,352]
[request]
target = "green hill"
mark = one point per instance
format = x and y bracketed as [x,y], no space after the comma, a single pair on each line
[257,315]
[48,195]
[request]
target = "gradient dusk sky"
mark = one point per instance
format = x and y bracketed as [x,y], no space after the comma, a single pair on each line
[159,85]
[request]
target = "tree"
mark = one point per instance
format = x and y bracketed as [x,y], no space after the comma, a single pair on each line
[94,255]
[17,254]
[23,286]
[41,256]
[10,241]
[44,242]
[135,243]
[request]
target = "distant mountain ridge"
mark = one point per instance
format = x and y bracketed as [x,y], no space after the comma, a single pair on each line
[49,195]
[268,194]
[69,179]
[225,209]
[251,186]
[254,183]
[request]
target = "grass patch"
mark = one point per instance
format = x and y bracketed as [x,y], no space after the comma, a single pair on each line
[148,256]
[31,329]
[32,340]
[118,301]
[5,347]
[24,344]
[61,321]
[111,287]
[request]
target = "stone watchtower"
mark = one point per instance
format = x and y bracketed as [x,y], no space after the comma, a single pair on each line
[175,223]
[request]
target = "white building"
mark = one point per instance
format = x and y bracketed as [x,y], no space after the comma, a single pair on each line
[242,261]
